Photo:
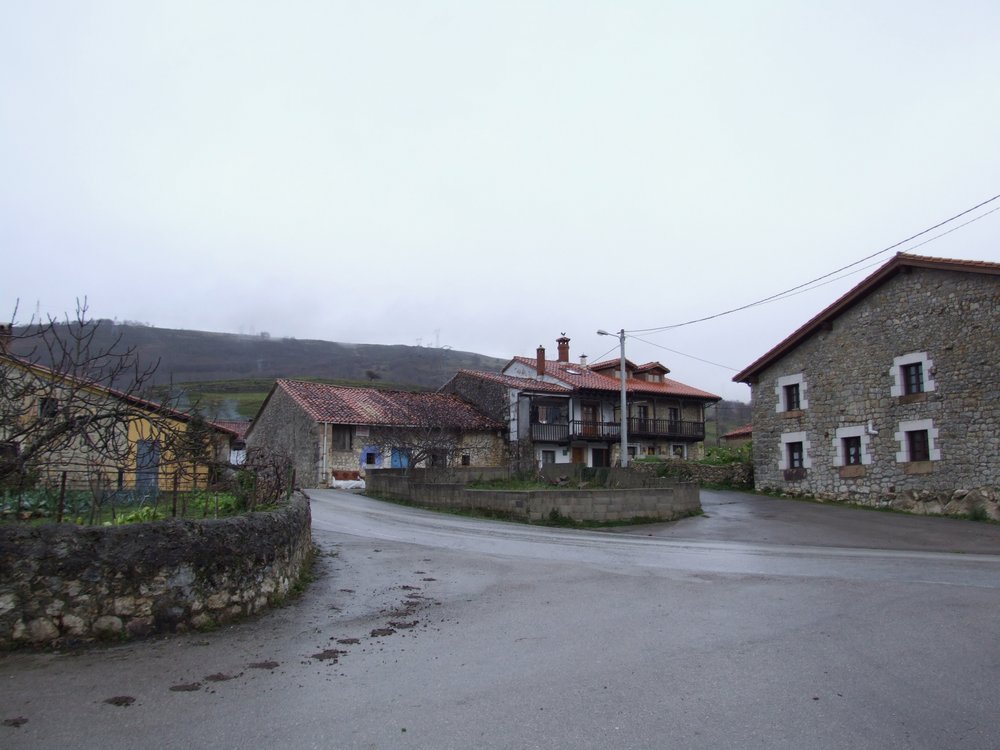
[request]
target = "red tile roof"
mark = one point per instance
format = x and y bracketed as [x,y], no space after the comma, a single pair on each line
[153,407]
[584,378]
[855,295]
[335,404]
[740,432]
[523,384]
[238,427]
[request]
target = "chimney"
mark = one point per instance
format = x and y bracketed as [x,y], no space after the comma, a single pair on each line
[540,360]
[583,360]
[563,343]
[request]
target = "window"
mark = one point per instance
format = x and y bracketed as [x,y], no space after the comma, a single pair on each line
[678,450]
[912,374]
[791,393]
[466,459]
[548,457]
[796,456]
[341,438]
[794,453]
[792,397]
[913,378]
[918,443]
[852,450]
[551,413]
[8,450]
[48,407]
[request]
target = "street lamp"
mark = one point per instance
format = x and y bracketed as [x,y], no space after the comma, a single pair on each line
[624,408]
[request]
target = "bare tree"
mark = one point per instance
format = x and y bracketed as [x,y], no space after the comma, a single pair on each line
[66,401]
[435,430]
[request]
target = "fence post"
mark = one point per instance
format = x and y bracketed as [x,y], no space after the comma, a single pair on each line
[62,498]
[174,510]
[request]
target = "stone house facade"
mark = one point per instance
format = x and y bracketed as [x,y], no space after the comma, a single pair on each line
[557,411]
[339,433]
[893,391]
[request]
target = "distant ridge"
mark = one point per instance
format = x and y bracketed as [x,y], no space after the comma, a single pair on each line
[193,356]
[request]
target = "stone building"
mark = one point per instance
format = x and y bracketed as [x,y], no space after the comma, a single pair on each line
[558,411]
[339,433]
[889,394]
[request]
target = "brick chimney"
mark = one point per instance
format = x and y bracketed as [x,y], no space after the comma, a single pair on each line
[540,360]
[563,343]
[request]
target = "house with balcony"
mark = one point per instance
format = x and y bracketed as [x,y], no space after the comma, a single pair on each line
[558,411]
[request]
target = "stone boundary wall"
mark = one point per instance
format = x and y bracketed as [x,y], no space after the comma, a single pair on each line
[735,475]
[666,501]
[66,583]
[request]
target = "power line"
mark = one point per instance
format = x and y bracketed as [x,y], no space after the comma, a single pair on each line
[788,292]
[689,356]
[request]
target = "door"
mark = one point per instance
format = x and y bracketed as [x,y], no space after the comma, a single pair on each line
[147,465]
[580,455]
[400,459]
[589,412]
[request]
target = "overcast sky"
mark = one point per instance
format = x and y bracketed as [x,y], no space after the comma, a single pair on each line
[486,175]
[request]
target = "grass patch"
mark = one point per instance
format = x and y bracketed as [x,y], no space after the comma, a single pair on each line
[554,519]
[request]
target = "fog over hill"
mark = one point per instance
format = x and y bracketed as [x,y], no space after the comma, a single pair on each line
[191,356]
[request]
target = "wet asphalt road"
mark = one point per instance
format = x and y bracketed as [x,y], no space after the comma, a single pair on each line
[765,624]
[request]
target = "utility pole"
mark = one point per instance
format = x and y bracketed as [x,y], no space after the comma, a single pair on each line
[624,405]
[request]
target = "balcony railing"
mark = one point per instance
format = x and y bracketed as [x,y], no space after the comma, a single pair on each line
[549,433]
[670,428]
[579,429]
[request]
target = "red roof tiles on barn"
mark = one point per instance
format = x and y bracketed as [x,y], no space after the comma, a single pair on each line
[335,404]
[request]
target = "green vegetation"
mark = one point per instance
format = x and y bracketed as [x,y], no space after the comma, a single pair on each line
[722,455]
[42,506]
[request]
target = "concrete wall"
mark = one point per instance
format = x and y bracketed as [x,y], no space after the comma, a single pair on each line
[847,371]
[667,501]
[60,582]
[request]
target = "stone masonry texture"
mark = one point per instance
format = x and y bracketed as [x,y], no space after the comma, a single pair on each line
[64,583]
[847,368]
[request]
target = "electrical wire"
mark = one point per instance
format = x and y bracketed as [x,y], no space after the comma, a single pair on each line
[689,356]
[810,284]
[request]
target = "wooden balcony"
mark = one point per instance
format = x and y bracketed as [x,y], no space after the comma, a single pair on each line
[578,429]
[666,428]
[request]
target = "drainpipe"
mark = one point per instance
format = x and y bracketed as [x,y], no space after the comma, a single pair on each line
[325,477]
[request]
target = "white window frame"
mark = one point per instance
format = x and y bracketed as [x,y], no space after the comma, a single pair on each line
[684,450]
[794,437]
[903,455]
[860,431]
[898,387]
[779,388]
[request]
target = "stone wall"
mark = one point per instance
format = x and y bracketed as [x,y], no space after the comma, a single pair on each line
[660,499]
[282,425]
[62,583]
[847,373]
[736,475]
